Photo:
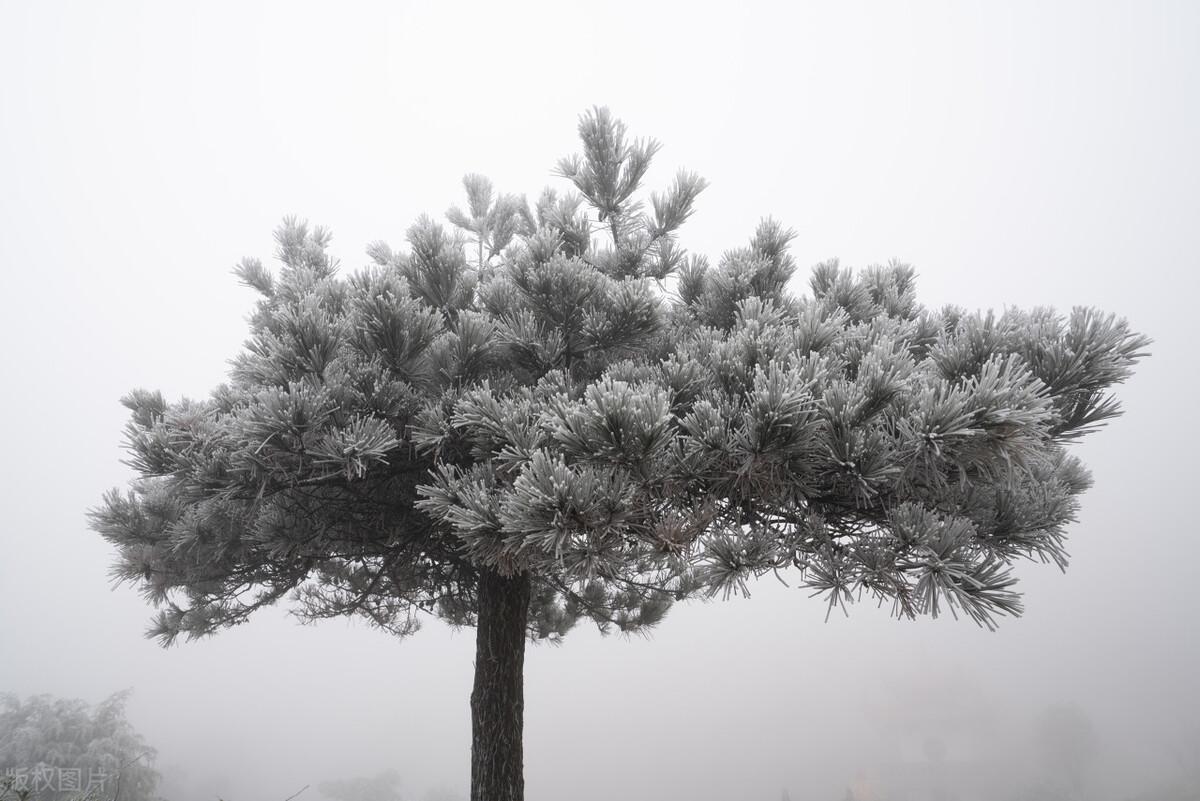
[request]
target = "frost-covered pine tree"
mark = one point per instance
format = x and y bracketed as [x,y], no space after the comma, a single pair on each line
[551,412]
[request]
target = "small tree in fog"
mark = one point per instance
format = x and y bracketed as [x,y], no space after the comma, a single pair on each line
[58,749]
[550,412]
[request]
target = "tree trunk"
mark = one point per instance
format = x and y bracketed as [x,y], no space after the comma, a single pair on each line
[498,698]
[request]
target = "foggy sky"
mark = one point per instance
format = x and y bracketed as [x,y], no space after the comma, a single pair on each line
[1018,154]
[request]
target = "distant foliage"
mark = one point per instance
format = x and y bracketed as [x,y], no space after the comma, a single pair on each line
[441,794]
[382,787]
[54,749]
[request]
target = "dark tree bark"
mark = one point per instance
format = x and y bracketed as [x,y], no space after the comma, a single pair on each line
[498,698]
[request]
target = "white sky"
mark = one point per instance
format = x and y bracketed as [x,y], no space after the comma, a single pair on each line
[1018,154]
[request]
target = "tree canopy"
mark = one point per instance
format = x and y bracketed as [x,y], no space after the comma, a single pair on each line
[586,403]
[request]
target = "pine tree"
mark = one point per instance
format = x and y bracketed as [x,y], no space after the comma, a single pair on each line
[586,422]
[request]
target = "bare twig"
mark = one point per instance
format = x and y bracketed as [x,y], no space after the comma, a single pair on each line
[298,792]
[121,769]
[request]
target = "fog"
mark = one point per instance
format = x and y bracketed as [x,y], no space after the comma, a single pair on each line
[1018,154]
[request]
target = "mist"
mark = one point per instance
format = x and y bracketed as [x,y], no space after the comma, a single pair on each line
[1021,154]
